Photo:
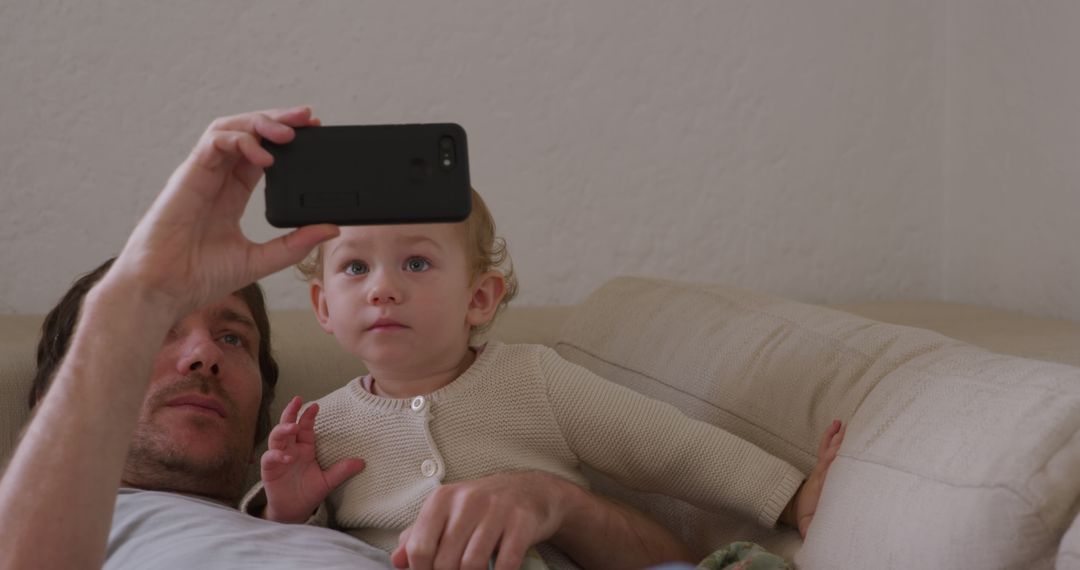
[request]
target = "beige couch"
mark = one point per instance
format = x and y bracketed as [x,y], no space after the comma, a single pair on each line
[955,457]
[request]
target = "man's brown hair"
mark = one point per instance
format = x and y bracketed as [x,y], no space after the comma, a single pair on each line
[59,326]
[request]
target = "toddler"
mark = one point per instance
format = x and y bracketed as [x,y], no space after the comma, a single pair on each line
[407,301]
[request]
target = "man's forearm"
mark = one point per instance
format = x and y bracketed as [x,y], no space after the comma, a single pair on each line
[601,533]
[62,479]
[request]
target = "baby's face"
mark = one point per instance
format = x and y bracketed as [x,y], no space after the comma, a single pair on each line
[396,294]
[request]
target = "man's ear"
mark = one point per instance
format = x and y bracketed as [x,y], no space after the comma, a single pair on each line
[318,302]
[487,293]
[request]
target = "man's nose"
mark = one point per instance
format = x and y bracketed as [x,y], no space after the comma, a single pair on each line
[384,288]
[200,354]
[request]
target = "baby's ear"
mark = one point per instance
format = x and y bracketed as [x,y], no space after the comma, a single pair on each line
[318,302]
[487,293]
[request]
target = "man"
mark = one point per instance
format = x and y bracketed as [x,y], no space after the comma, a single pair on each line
[161,390]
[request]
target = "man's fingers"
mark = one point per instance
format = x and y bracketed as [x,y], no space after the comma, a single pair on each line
[399,557]
[427,530]
[511,551]
[482,545]
[290,116]
[454,540]
[290,248]
[272,130]
[222,149]
[339,472]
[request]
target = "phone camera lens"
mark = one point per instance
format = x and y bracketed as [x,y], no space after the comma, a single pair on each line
[446,152]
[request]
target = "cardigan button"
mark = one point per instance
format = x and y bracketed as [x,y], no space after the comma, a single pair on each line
[427,468]
[417,403]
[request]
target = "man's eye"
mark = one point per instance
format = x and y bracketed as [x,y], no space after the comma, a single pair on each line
[356,268]
[232,339]
[417,264]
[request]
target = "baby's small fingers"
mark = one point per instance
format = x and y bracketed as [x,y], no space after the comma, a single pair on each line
[282,436]
[827,437]
[288,415]
[274,458]
[307,419]
[804,525]
[834,446]
[838,438]
[306,434]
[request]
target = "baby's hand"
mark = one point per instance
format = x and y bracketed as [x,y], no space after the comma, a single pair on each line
[806,499]
[295,483]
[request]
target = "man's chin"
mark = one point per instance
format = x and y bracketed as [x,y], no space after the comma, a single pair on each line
[197,457]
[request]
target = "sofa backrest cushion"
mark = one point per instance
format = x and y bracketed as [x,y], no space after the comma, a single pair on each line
[954,456]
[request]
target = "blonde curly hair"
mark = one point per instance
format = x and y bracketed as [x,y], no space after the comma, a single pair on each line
[484,252]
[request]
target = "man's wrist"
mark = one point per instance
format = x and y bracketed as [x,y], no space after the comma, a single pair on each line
[576,505]
[116,289]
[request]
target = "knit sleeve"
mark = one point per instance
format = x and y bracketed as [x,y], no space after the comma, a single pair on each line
[254,501]
[651,446]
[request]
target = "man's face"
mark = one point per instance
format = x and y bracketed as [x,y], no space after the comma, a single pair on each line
[197,425]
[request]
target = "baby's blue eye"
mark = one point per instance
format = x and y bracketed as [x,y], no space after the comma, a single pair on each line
[356,268]
[232,339]
[417,264]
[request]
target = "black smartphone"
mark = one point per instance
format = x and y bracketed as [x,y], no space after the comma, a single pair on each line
[369,174]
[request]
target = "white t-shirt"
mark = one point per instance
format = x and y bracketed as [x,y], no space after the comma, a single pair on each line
[166,531]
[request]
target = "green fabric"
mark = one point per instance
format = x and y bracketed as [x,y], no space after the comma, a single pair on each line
[743,556]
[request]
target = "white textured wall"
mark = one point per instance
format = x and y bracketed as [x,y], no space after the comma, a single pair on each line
[1013,156]
[793,147]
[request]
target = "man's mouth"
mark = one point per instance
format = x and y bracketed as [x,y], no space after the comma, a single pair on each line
[198,402]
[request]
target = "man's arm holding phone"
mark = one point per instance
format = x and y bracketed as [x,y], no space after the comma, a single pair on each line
[62,480]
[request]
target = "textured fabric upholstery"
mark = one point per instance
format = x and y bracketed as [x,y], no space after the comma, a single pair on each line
[955,456]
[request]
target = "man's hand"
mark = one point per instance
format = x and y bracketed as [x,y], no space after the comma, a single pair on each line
[800,511]
[295,484]
[188,249]
[461,525]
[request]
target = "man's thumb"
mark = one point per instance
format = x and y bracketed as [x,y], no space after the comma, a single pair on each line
[400,558]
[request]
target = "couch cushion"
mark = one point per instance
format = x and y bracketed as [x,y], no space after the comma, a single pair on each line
[18,343]
[1006,332]
[1069,553]
[954,456]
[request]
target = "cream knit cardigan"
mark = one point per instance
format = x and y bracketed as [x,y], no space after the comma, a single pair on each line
[523,407]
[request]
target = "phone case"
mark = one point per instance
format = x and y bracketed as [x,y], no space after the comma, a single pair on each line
[369,174]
